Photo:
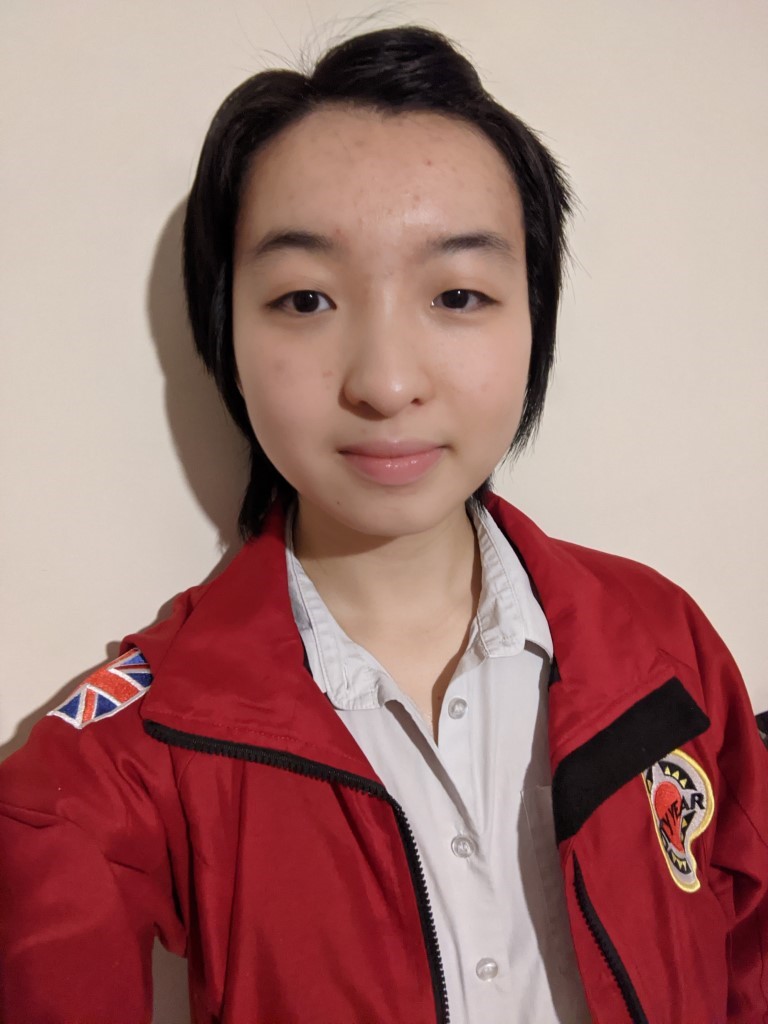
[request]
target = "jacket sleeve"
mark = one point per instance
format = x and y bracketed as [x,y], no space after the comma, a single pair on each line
[739,859]
[86,880]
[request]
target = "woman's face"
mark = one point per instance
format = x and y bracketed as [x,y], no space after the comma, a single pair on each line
[380,297]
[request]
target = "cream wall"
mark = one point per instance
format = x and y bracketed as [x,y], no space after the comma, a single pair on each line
[120,475]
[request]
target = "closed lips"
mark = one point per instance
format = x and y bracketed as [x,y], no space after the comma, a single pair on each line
[390,450]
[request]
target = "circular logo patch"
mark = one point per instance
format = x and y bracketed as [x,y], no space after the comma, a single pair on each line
[682,805]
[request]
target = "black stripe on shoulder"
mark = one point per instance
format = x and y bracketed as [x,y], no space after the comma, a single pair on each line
[660,722]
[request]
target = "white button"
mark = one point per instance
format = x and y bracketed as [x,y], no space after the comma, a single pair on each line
[486,969]
[457,707]
[463,846]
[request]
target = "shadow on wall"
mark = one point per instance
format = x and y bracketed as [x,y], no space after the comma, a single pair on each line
[215,461]
[171,1002]
[214,458]
[211,450]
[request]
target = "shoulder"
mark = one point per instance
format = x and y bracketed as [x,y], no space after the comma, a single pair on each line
[643,602]
[90,738]
[93,745]
[107,691]
[89,758]
[621,602]
[565,565]
[637,580]
[652,600]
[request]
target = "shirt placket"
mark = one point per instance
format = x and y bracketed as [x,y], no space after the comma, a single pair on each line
[483,940]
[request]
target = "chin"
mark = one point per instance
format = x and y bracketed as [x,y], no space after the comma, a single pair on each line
[393,512]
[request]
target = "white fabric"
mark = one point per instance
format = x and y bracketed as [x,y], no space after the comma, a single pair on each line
[479,804]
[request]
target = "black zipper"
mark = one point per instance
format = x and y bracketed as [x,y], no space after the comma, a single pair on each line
[607,948]
[318,770]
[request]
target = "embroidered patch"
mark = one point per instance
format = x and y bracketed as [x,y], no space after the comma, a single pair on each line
[107,690]
[682,805]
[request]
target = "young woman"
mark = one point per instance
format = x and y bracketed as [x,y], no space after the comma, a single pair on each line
[406,759]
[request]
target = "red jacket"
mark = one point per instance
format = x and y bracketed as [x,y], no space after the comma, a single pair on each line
[230,812]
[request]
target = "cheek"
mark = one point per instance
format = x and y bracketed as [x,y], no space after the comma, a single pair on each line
[492,402]
[283,394]
[495,382]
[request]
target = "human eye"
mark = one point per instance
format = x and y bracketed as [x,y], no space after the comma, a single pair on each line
[301,302]
[460,299]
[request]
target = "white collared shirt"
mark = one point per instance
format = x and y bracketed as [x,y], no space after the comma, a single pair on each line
[479,803]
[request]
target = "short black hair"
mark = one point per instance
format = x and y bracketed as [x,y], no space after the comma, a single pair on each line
[393,70]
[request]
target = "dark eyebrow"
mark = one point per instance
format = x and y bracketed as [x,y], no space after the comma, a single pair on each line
[275,241]
[310,241]
[485,241]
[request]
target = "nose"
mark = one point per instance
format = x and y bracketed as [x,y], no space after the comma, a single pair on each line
[387,368]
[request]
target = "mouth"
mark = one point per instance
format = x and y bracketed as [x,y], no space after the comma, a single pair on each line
[391,465]
[390,449]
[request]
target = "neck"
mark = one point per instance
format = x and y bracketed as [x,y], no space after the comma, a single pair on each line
[401,584]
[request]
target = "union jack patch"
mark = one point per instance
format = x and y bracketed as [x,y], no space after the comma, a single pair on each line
[107,690]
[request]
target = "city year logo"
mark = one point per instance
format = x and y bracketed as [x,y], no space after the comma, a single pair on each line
[682,805]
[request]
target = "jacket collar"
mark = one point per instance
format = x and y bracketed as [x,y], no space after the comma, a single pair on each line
[229,664]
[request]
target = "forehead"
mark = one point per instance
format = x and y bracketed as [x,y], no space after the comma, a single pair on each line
[341,169]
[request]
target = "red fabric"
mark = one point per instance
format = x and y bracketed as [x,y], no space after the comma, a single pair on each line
[292,897]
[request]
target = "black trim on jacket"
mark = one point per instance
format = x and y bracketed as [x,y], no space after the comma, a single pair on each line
[660,722]
[762,726]
[607,949]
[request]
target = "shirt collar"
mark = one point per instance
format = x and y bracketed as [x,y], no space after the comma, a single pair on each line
[508,617]
[508,609]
